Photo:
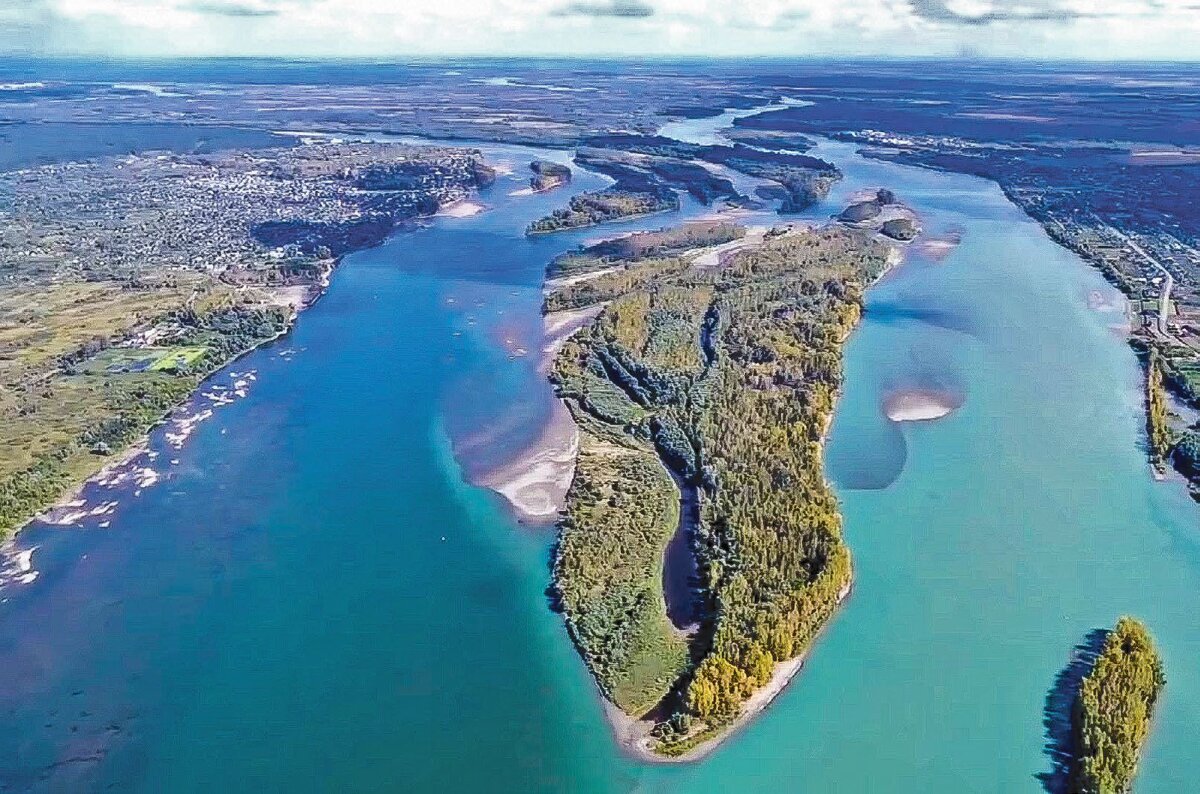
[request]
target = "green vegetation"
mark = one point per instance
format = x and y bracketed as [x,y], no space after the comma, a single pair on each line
[643,245]
[1157,416]
[615,611]
[70,398]
[179,358]
[1111,719]
[589,209]
[1186,457]
[1187,453]
[728,376]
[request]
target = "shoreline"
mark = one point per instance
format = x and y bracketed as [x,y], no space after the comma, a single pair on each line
[278,297]
[631,733]
[141,445]
[534,482]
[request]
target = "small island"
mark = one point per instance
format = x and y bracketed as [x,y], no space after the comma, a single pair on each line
[882,212]
[701,551]
[602,206]
[548,175]
[1112,713]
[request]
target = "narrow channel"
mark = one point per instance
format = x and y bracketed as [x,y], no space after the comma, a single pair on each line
[681,573]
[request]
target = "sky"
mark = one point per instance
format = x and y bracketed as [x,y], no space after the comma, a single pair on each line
[1044,29]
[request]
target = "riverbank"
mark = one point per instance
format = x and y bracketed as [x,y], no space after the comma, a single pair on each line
[122,465]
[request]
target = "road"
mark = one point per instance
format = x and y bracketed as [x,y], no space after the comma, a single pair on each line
[1164,297]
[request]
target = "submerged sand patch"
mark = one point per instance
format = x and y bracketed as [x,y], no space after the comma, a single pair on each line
[535,483]
[938,248]
[460,209]
[920,405]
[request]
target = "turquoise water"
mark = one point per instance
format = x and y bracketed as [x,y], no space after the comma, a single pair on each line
[314,600]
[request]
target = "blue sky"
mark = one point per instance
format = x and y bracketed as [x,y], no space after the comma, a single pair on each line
[1096,29]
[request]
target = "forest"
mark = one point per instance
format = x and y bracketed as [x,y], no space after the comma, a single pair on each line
[642,245]
[725,377]
[1112,713]
[595,207]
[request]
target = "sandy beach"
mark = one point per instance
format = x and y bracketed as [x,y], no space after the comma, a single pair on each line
[718,255]
[460,209]
[553,284]
[558,327]
[920,405]
[535,482]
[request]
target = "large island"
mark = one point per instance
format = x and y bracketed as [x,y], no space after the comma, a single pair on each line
[701,551]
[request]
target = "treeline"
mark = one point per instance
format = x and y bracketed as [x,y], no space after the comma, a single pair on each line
[643,245]
[591,208]
[729,375]
[1158,428]
[1112,713]
[131,403]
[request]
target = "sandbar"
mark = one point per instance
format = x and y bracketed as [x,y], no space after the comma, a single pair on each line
[460,209]
[535,483]
[920,405]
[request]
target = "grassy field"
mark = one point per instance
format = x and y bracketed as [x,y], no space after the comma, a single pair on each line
[178,358]
[623,510]
[78,384]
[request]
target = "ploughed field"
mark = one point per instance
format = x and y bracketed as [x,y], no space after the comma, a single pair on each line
[722,379]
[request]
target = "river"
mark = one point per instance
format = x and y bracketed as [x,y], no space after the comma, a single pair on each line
[313,598]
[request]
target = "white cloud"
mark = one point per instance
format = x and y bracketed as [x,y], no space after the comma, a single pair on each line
[1043,28]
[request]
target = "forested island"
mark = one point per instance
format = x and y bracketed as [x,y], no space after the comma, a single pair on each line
[650,171]
[128,280]
[1112,713]
[548,175]
[600,206]
[711,386]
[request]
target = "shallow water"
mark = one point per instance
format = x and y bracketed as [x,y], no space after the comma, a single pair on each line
[314,600]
